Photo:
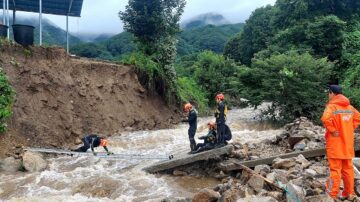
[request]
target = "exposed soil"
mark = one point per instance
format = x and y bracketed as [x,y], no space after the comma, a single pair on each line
[60,98]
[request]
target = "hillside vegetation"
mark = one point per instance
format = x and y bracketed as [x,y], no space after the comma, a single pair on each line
[209,37]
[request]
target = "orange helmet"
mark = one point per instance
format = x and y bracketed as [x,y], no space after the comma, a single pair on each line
[187,106]
[220,96]
[211,125]
[103,142]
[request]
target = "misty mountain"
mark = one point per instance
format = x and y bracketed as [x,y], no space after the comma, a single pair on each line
[191,41]
[203,20]
[93,37]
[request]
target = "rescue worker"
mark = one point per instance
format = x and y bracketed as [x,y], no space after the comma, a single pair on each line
[209,139]
[220,115]
[340,120]
[192,120]
[91,141]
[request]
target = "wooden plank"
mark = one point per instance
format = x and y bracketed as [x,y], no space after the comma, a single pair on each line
[185,159]
[232,164]
[99,154]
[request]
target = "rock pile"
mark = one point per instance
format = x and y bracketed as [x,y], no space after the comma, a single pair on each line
[293,179]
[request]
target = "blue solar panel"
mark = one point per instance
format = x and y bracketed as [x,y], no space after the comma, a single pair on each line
[55,7]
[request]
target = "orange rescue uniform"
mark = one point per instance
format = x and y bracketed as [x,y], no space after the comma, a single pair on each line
[339,116]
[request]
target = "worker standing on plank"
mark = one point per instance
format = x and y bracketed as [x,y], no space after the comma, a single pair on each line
[192,120]
[92,141]
[220,115]
[340,120]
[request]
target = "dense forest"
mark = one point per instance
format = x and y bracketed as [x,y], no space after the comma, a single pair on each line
[285,54]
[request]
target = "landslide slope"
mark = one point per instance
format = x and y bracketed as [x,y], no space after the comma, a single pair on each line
[60,98]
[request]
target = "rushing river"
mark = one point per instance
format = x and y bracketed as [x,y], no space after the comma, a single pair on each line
[87,178]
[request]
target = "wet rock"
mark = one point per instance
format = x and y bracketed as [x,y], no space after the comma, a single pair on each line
[320,170]
[303,161]
[314,145]
[319,198]
[176,199]
[262,169]
[356,162]
[300,146]
[206,195]
[310,172]
[34,162]
[254,157]
[10,164]
[280,175]
[307,133]
[256,182]
[229,196]
[295,193]
[78,141]
[257,199]
[239,154]
[284,163]
[357,187]
[276,195]
[293,140]
[179,173]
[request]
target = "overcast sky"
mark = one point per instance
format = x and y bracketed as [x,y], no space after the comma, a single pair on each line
[101,16]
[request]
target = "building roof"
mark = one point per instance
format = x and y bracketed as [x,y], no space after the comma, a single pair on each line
[55,7]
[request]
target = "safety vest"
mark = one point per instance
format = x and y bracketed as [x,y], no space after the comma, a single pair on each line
[217,112]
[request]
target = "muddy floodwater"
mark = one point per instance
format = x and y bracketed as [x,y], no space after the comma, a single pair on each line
[88,178]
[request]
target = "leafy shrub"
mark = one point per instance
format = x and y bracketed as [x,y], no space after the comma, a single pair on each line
[294,84]
[6,100]
[189,90]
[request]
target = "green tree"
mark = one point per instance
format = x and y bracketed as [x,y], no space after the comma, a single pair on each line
[325,35]
[256,33]
[216,74]
[154,24]
[351,85]
[294,84]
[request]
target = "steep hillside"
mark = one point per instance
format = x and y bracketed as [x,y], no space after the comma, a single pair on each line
[210,37]
[59,99]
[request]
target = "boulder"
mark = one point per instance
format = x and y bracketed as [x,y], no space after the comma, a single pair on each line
[239,154]
[256,182]
[295,193]
[280,175]
[310,172]
[300,146]
[229,195]
[34,162]
[206,195]
[303,161]
[10,164]
[284,163]
[262,169]
[357,187]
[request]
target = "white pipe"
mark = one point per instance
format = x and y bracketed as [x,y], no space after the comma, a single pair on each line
[67,34]
[8,19]
[40,22]
[4,7]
